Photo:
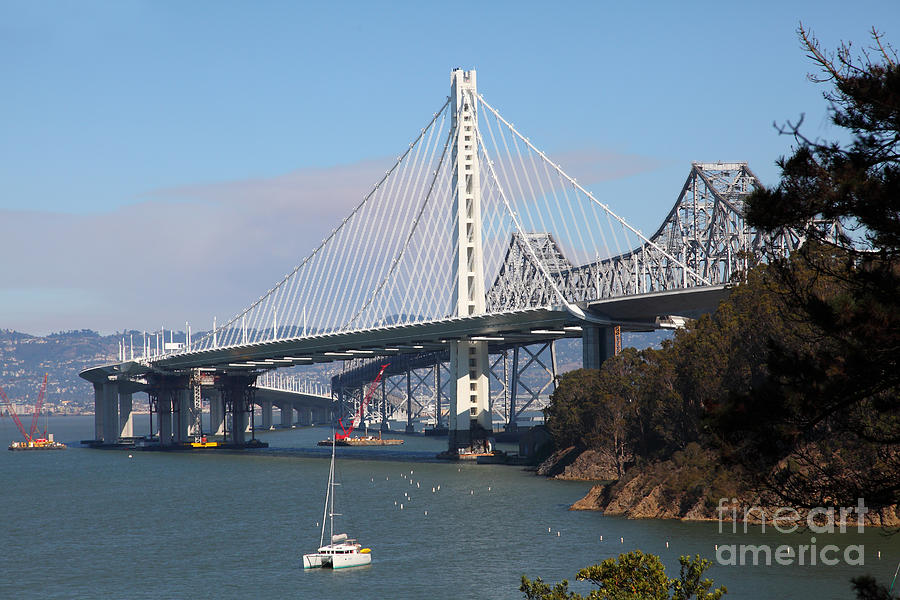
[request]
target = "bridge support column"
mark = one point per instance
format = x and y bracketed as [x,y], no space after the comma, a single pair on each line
[110,413]
[304,415]
[126,418]
[164,416]
[237,393]
[599,343]
[384,415]
[470,415]
[216,414]
[511,424]
[437,394]
[183,401]
[409,415]
[266,410]
[98,411]
[287,415]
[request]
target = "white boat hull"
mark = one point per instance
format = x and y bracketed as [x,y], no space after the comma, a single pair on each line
[336,561]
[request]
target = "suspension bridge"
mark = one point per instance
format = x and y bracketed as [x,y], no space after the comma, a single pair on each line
[474,244]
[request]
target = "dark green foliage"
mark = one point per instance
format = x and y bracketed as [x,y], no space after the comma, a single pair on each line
[571,414]
[632,576]
[831,402]
[867,588]
[538,590]
[692,584]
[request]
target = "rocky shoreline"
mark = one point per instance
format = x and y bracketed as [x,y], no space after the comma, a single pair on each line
[659,491]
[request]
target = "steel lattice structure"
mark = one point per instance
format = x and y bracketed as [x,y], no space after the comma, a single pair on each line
[705,230]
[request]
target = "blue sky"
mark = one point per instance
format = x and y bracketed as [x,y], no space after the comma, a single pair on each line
[168,161]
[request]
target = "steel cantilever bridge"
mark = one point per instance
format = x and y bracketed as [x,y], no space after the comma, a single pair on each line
[472,243]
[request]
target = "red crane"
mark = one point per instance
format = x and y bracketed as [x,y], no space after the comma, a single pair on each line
[362,408]
[28,435]
[37,409]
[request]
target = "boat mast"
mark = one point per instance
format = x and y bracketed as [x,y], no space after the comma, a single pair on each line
[331,486]
[328,495]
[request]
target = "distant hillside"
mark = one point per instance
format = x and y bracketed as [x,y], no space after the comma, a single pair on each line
[25,358]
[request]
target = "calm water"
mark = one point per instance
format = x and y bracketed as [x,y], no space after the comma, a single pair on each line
[97,524]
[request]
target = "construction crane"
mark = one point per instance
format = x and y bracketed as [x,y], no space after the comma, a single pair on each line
[30,441]
[357,419]
[37,410]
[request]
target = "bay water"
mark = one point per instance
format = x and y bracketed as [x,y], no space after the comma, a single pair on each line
[83,523]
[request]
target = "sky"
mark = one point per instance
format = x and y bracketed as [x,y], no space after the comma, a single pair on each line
[167,162]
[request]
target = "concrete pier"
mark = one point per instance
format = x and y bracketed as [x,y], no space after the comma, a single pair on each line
[110,411]
[238,393]
[184,399]
[599,343]
[287,415]
[164,417]
[238,424]
[216,414]
[126,418]
[266,421]
[98,411]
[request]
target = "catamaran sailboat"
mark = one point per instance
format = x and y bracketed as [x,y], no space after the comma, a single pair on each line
[342,552]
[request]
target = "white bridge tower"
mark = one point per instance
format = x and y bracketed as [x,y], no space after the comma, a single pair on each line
[470,415]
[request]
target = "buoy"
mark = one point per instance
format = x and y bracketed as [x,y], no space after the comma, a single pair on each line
[129,456]
[472,492]
[395,504]
[411,472]
[557,534]
[548,530]
[426,513]
[601,538]
[401,507]
[879,555]
[432,490]
[439,488]
[489,488]
[667,544]
[622,540]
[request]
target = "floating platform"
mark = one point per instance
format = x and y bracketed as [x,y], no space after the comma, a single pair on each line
[363,441]
[153,445]
[37,445]
[496,457]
